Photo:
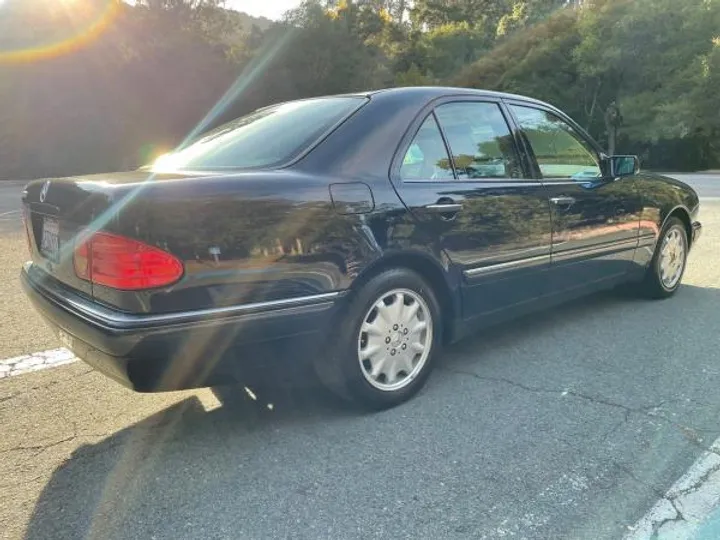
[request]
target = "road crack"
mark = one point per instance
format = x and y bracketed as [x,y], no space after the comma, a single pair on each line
[655,491]
[46,385]
[23,482]
[654,411]
[649,411]
[40,447]
[599,400]
[675,519]
[698,484]
[662,496]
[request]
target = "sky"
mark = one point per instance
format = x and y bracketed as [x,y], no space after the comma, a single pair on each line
[272,9]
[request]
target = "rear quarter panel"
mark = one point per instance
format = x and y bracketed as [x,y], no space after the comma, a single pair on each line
[242,239]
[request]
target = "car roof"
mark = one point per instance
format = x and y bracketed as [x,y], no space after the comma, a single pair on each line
[425,93]
[432,92]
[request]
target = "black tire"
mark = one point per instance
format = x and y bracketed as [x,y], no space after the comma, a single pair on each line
[340,369]
[653,285]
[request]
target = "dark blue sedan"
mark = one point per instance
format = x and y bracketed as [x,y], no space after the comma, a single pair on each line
[358,233]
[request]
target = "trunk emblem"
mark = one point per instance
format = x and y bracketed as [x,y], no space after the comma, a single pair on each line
[44,191]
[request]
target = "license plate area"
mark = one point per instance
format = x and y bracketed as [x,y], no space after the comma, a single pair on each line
[50,239]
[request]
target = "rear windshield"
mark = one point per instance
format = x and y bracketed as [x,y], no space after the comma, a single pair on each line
[268,137]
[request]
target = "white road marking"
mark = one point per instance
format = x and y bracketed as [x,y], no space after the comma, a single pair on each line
[208,399]
[35,362]
[687,506]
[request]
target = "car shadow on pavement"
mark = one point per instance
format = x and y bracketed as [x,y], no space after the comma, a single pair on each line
[89,495]
[280,462]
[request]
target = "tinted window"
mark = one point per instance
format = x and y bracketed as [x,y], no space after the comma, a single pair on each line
[267,137]
[479,139]
[426,158]
[559,150]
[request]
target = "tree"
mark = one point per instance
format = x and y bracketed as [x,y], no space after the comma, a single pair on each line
[129,80]
[535,62]
[647,57]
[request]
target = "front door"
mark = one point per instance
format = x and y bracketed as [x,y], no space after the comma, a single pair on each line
[461,177]
[595,218]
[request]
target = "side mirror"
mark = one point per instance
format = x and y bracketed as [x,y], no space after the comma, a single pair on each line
[624,166]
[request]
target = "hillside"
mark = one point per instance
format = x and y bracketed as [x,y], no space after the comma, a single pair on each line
[246,22]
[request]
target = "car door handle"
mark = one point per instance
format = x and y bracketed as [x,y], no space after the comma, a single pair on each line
[444,208]
[563,201]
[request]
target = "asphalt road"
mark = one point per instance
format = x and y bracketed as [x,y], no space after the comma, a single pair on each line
[10,205]
[707,185]
[565,424]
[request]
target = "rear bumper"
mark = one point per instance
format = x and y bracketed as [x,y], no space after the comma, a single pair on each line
[696,231]
[182,350]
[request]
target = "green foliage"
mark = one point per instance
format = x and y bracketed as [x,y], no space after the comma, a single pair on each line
[412,77]
[655,62]
[448,48]
[107,85]
[535,62]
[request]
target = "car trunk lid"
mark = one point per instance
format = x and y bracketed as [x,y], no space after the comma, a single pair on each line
[57,210]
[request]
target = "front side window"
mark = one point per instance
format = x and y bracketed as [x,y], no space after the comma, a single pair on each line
[268,137]
[479,139]
[427,157]
[560,152]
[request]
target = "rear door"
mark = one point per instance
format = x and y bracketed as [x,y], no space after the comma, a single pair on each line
[595,217]
[462,176]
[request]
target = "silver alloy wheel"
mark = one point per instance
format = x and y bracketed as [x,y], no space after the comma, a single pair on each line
[395,339]
[672,258]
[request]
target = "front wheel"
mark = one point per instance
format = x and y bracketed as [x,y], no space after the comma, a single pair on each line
[668,263]
[386,342]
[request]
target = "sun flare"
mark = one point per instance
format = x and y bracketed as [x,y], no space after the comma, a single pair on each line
[87,21]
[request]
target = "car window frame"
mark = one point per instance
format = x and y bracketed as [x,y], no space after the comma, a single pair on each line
[454,178]
[414,126]
[590,143]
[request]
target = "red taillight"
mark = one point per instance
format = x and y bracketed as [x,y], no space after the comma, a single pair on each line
[123,263]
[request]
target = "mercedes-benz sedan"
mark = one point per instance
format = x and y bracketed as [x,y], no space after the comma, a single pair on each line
[360,232]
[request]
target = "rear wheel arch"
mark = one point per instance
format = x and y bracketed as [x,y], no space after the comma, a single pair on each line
[431,271]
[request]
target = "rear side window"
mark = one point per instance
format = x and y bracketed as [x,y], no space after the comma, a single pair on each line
[479,139]
[268,137]
[427,157]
